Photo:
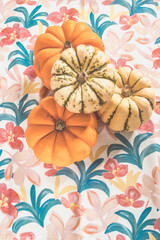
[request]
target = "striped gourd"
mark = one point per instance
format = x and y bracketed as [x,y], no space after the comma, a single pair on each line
[131,104]
[83,79]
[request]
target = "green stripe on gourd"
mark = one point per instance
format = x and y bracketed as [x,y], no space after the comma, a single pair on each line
[83,79]
[131,104]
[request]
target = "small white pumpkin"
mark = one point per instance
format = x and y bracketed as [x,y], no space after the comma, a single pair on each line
[131,104]
[83,79]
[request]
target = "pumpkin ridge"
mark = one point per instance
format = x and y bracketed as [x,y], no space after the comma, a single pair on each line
[63,86]
[82,109]
[140,90]
[129,77]
[112,115]
[136,82]
[44,136]
[62,59]
[77,136]
[65,103]
[121,79]
[101,102]
[95,70]
[67,142]
[126,122]
[140,116]
[42,104]
[89,62]
[107,78]
[78,60]
[54,144]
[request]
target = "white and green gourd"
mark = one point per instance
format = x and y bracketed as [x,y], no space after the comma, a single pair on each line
[83,79]
[131,104]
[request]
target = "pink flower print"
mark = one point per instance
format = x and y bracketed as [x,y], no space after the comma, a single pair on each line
[11,135]
[114,169]
[157,224]
[146,127]
[7,197]
[121,62]
[107,2]
[52,169]
[128,21]
[157,107]
[156,54]
[130,198]
[29,2]
[12,34]
[30,72]
[74,203]
[63,15]
[120,237]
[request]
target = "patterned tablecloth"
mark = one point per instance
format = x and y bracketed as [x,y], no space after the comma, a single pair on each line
[114,194]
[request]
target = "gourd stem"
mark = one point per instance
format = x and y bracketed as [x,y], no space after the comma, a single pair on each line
[126,91]
[67,44]
[81,78]
[60,125]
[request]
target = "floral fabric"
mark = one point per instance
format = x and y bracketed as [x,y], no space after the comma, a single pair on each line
[114,194]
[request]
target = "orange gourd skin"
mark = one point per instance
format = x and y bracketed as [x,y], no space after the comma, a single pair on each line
[60,147]
[49,45]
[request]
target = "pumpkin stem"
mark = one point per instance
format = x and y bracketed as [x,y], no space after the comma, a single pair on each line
[81,78]
[126,91]
[67,44]
[60,125]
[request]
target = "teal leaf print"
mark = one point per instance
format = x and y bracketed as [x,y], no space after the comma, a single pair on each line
[29,20]
[20,112]
[157,40]
[85,181]
[97,27]
[26,59]
[37,210]
[138,229]
[132,155]
[139,6]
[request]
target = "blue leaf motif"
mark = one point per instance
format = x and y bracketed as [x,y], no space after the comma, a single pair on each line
[46,207]
[21,102]
[33,196]
[145,10]
[15,19]
[157,40]
[100,17]
[92,19]
[122,3]
[149,150]
[143,216]
[42,194]
[119,228]
[21,222]
[149,222]
[104,26]
[138,140]
[19,44]
[35,10]
[129,217]
[69,173]
[20,61]
[94,183]
[4,161]
[124,140]
[143,235]
[1,153]
[94,165]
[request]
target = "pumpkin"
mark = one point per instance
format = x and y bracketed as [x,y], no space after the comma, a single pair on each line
[131,104]
[58,136]
[83,79]
[50,44]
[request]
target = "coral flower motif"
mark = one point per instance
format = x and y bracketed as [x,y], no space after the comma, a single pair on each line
[120,237]
[157,224]
[52,169]
[130,198]
[12,34]
[107,2]
[146,127]
[73,202]
[121,62]
[29,2]
[128,21]
[157,107]
[63,15]
[11,135]
[30,72]
[156,54]
[114,169]
[7,197]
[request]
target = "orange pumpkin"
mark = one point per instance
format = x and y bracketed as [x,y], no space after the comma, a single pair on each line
[49,45]
[58,136]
